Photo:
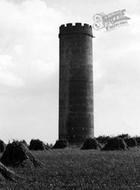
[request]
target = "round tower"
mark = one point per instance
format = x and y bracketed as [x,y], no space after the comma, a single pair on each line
[75,83]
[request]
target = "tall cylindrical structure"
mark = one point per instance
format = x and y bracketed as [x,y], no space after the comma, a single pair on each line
[75,83]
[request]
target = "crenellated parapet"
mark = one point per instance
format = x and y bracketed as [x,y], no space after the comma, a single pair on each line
[77,28]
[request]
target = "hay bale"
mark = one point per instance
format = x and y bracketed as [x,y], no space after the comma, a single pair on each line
[60,144]
[90,143]
[123,136]
[137,140]
[115,144]
[16,153]
[102,139]
[36,144]
[9,174]
[48,146]
[24,142]
[2,146]
[131,142]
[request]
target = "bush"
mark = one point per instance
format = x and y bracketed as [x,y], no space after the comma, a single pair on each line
[60,144]
[90,143]
[36,144]
[115,144]
[131,142]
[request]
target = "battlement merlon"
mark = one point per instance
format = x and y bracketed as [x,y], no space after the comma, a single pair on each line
[77,28]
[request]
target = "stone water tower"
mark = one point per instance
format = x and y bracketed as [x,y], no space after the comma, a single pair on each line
[75,83]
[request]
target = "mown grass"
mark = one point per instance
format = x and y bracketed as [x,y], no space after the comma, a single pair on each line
[74,169]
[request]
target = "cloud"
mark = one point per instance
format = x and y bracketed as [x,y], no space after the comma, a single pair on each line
[28,69]
[117,89]
[28,36]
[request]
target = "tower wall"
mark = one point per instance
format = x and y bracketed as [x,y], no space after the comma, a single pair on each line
[75,83]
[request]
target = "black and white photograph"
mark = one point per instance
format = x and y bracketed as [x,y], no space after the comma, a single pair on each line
[69,95]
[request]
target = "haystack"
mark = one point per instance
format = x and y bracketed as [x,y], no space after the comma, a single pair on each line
[90,143]
[123,136]
[102,139]
[8,174]
[2,146]
[115,144]
[36,144]
[131,142]
[137,140]
[60,144]
[48,146]
[16,153]
[24,142]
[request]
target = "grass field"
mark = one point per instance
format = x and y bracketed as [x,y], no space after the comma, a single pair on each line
[74,169]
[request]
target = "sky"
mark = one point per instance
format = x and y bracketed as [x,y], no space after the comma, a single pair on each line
[29,67]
